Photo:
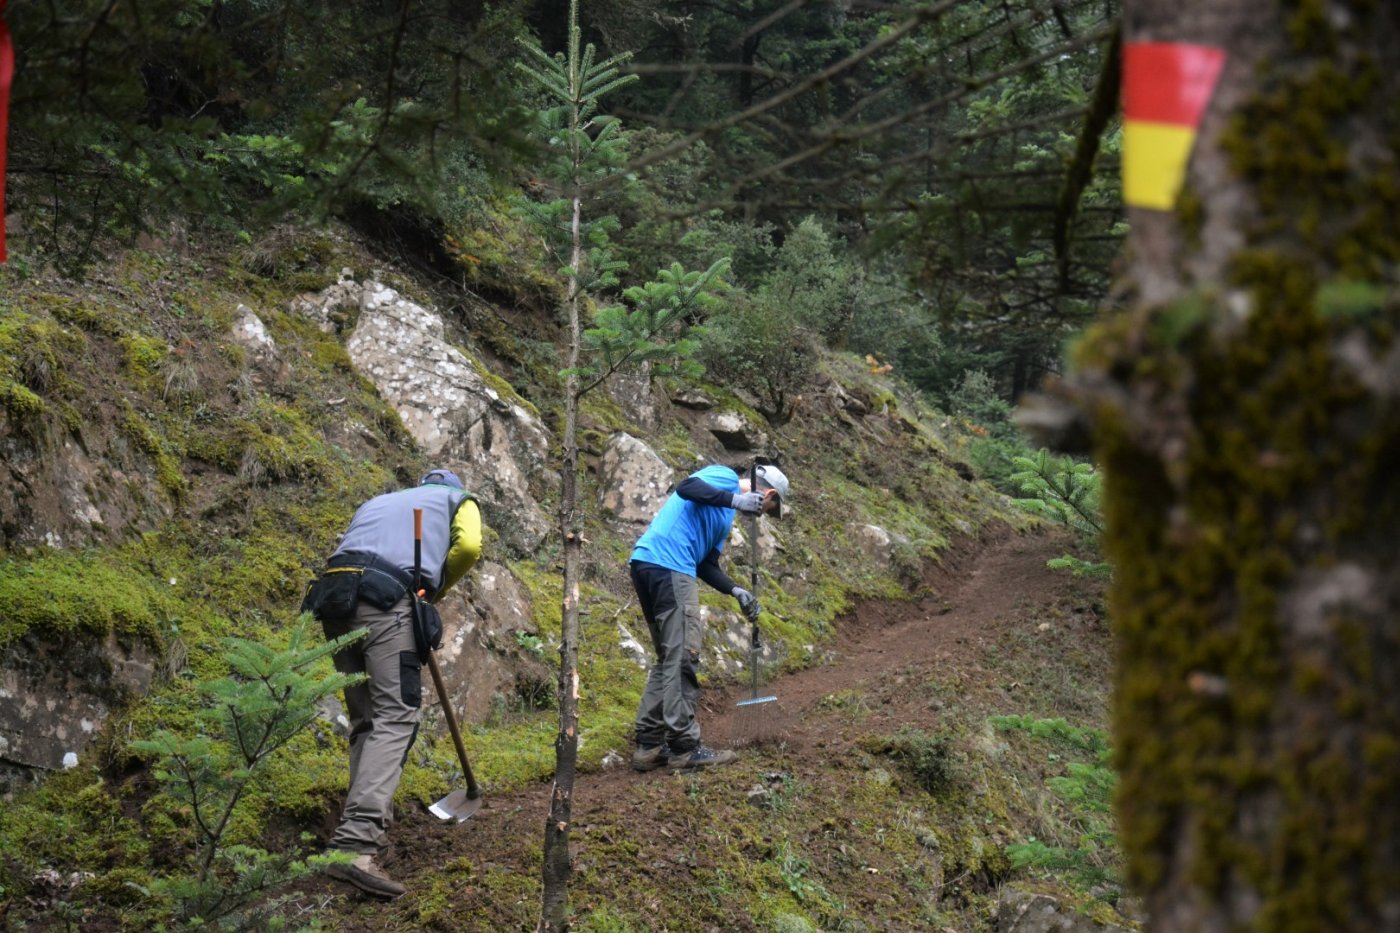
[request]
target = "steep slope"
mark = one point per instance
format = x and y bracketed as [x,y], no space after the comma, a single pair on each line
[185,434]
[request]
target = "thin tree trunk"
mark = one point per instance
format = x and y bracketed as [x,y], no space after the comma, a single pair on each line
[1246,413]
[557,867]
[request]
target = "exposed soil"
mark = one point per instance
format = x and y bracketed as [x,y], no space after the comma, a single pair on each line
[990,631]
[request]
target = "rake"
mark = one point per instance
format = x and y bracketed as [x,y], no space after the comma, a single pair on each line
[757,718]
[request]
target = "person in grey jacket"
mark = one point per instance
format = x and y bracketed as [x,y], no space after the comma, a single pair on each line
[377,552]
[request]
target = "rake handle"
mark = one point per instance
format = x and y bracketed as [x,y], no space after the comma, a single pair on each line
[755,643]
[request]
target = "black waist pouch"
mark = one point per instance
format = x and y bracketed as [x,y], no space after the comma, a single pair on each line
[332,597]
[427,628]
[382,585]
[349,578]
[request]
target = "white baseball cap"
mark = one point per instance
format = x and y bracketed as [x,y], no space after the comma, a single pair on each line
[770,475]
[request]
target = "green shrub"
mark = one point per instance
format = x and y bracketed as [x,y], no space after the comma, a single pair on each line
[1067,493]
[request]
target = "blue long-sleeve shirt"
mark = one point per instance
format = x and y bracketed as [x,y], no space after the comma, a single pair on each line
[688,533]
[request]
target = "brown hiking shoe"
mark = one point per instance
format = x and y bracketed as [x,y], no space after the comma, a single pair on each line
[365,874]
[699,757]
[648,759]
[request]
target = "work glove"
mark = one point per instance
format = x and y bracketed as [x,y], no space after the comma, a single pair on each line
[747,602]
[749,502]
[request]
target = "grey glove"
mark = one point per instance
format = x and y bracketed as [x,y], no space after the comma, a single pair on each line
[749,502]
[747,602]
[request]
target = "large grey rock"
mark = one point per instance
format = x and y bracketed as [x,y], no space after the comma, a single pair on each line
[734,431]
[250,333]
[481,659]
[632,645]
[501,602]
[332,307]
[453,414]
[877,545]
[728,648]
[693,399]
[737,546]
[634,395]
[634,481]
[65,493]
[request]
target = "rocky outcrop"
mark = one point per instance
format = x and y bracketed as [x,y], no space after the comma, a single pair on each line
[69,492]
[828,393]
[250,333]
[456,417]
[481,657]
[1027,912]
[634,480]
[728,647]
[693,399]
[877,544]
[333,308]
[737,547]
[632,390]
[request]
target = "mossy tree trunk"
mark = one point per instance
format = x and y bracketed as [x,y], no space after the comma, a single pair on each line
[1246,412]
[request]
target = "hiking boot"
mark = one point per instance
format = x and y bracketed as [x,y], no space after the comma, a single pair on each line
[365,874]
[649,759]
[699,757]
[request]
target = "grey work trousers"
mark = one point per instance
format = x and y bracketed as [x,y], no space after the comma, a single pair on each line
[384,713]
[671,604]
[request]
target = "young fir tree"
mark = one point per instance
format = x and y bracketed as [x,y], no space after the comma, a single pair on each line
[269,696]
[652,326]
[1067,493]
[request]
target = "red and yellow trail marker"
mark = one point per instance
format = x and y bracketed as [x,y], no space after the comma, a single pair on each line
[1166,86]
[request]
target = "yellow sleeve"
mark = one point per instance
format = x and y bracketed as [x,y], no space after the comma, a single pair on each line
[465,549]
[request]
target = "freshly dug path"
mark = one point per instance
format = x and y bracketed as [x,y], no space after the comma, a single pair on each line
[992,625]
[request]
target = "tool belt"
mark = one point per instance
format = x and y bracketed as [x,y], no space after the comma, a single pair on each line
[349,578]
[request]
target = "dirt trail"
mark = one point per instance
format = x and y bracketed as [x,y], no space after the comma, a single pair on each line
[977,608]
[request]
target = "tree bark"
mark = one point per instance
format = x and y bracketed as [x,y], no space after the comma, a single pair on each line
[1246,414]
[557,862]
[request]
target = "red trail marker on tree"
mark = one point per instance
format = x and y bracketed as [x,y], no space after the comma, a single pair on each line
[1166,87]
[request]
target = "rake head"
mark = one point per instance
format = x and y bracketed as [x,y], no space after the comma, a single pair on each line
[759,721]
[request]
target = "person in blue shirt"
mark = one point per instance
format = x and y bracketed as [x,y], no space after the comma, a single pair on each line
[683,543]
